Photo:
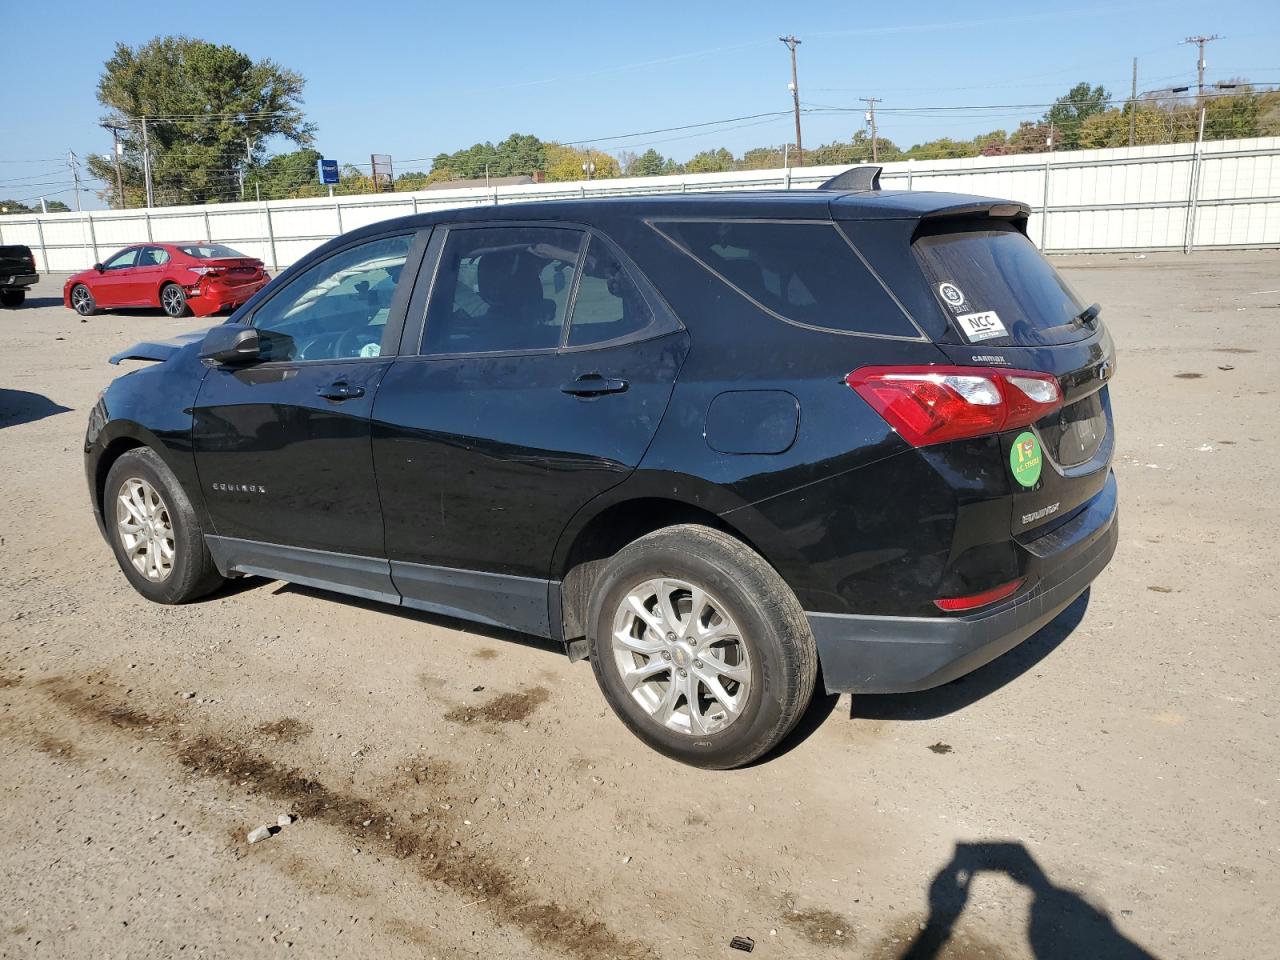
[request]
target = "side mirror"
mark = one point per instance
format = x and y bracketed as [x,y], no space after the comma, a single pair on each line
[231,343]
[100,268]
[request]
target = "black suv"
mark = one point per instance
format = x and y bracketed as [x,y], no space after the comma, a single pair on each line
[17,272]
[721,445]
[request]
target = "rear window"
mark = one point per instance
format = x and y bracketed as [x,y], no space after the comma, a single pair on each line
[16,252]
[995,285]
[801,272]
[208,251]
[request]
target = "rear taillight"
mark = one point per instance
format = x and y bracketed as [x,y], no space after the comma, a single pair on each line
[207,271]
[974,600]
[934,404]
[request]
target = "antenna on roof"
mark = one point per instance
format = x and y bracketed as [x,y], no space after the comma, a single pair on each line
[855,180]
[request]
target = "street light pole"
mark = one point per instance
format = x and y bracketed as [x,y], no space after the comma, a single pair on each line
[792,42]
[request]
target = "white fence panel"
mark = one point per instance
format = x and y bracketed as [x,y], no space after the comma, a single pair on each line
[1084,200]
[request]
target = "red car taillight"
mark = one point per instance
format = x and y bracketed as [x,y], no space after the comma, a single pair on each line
[934,404]
[207,271]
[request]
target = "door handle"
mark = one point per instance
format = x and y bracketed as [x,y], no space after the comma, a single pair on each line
[593,385]
[340,390]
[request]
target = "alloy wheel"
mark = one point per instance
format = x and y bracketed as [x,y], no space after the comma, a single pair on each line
[146,529]
[681,657]
[172,300]
[82,301]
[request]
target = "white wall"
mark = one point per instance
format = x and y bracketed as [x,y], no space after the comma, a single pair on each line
[1139,198]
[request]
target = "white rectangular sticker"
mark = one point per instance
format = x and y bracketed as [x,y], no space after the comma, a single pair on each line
[981,326]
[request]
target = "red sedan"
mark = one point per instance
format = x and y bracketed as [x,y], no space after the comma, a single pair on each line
[179,278]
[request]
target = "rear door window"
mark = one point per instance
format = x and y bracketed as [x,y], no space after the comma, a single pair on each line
[608,305]
[995,285]
[501,289]
[803,272]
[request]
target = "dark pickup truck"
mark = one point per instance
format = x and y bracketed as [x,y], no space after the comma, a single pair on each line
[17,272]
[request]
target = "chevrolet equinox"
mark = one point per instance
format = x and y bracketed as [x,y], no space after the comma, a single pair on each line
[725,446]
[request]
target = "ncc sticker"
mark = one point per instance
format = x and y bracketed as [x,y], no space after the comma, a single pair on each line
[1025,460]
[981,326]
[951,295]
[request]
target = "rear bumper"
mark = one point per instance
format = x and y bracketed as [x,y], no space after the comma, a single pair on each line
[214,297]
[10,281]
[872,654]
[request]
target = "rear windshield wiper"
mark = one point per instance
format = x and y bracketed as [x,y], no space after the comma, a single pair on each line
[1088,316]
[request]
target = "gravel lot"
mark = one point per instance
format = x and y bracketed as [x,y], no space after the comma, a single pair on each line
[1110,788]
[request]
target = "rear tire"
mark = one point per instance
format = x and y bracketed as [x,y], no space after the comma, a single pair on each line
[746,656]
[82,301]
[155,532]
[174,301]
[12,298]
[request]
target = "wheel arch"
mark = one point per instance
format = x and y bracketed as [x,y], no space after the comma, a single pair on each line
[123,438]
[582,554]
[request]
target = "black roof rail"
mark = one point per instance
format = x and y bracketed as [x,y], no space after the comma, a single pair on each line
[855,179]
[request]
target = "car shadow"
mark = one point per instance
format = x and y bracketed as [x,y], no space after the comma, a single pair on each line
[1062,924]
[40,302]
[19,406]
[931,704]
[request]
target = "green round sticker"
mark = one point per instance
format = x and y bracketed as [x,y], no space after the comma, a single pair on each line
[1025,460]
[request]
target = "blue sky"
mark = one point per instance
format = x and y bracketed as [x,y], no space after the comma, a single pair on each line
[415,79]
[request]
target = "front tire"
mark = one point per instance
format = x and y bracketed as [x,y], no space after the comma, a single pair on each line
[12,298]
[174,301]
[82,301]
[700,647]
[155,532]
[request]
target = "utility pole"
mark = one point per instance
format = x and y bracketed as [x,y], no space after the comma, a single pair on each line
[248,164]
[792,43]
[1200,42]
[1133,103]
[871,119]
[74,163]
[146,162]
[115,157]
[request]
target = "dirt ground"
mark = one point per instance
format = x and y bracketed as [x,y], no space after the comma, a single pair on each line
[1108,789]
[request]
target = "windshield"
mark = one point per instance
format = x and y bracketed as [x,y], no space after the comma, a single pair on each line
[209,251]
[995,285]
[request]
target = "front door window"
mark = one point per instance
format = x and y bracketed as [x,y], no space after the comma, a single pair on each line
[338,308]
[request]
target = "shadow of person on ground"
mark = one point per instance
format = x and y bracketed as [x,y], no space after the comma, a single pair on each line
[19,406]
[930,704]
[1062,924]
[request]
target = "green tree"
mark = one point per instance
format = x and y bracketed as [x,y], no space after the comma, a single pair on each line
[13,206]
[57,206]
[565,163]
[286,175]
[649,164]
[944,148]
[202,101]
[1232,117]
[710,161]
[519,154]
[1071,109]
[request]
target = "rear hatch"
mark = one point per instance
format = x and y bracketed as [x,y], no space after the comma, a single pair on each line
[1000,303]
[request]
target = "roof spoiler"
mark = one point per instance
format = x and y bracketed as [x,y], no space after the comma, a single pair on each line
[855,180]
